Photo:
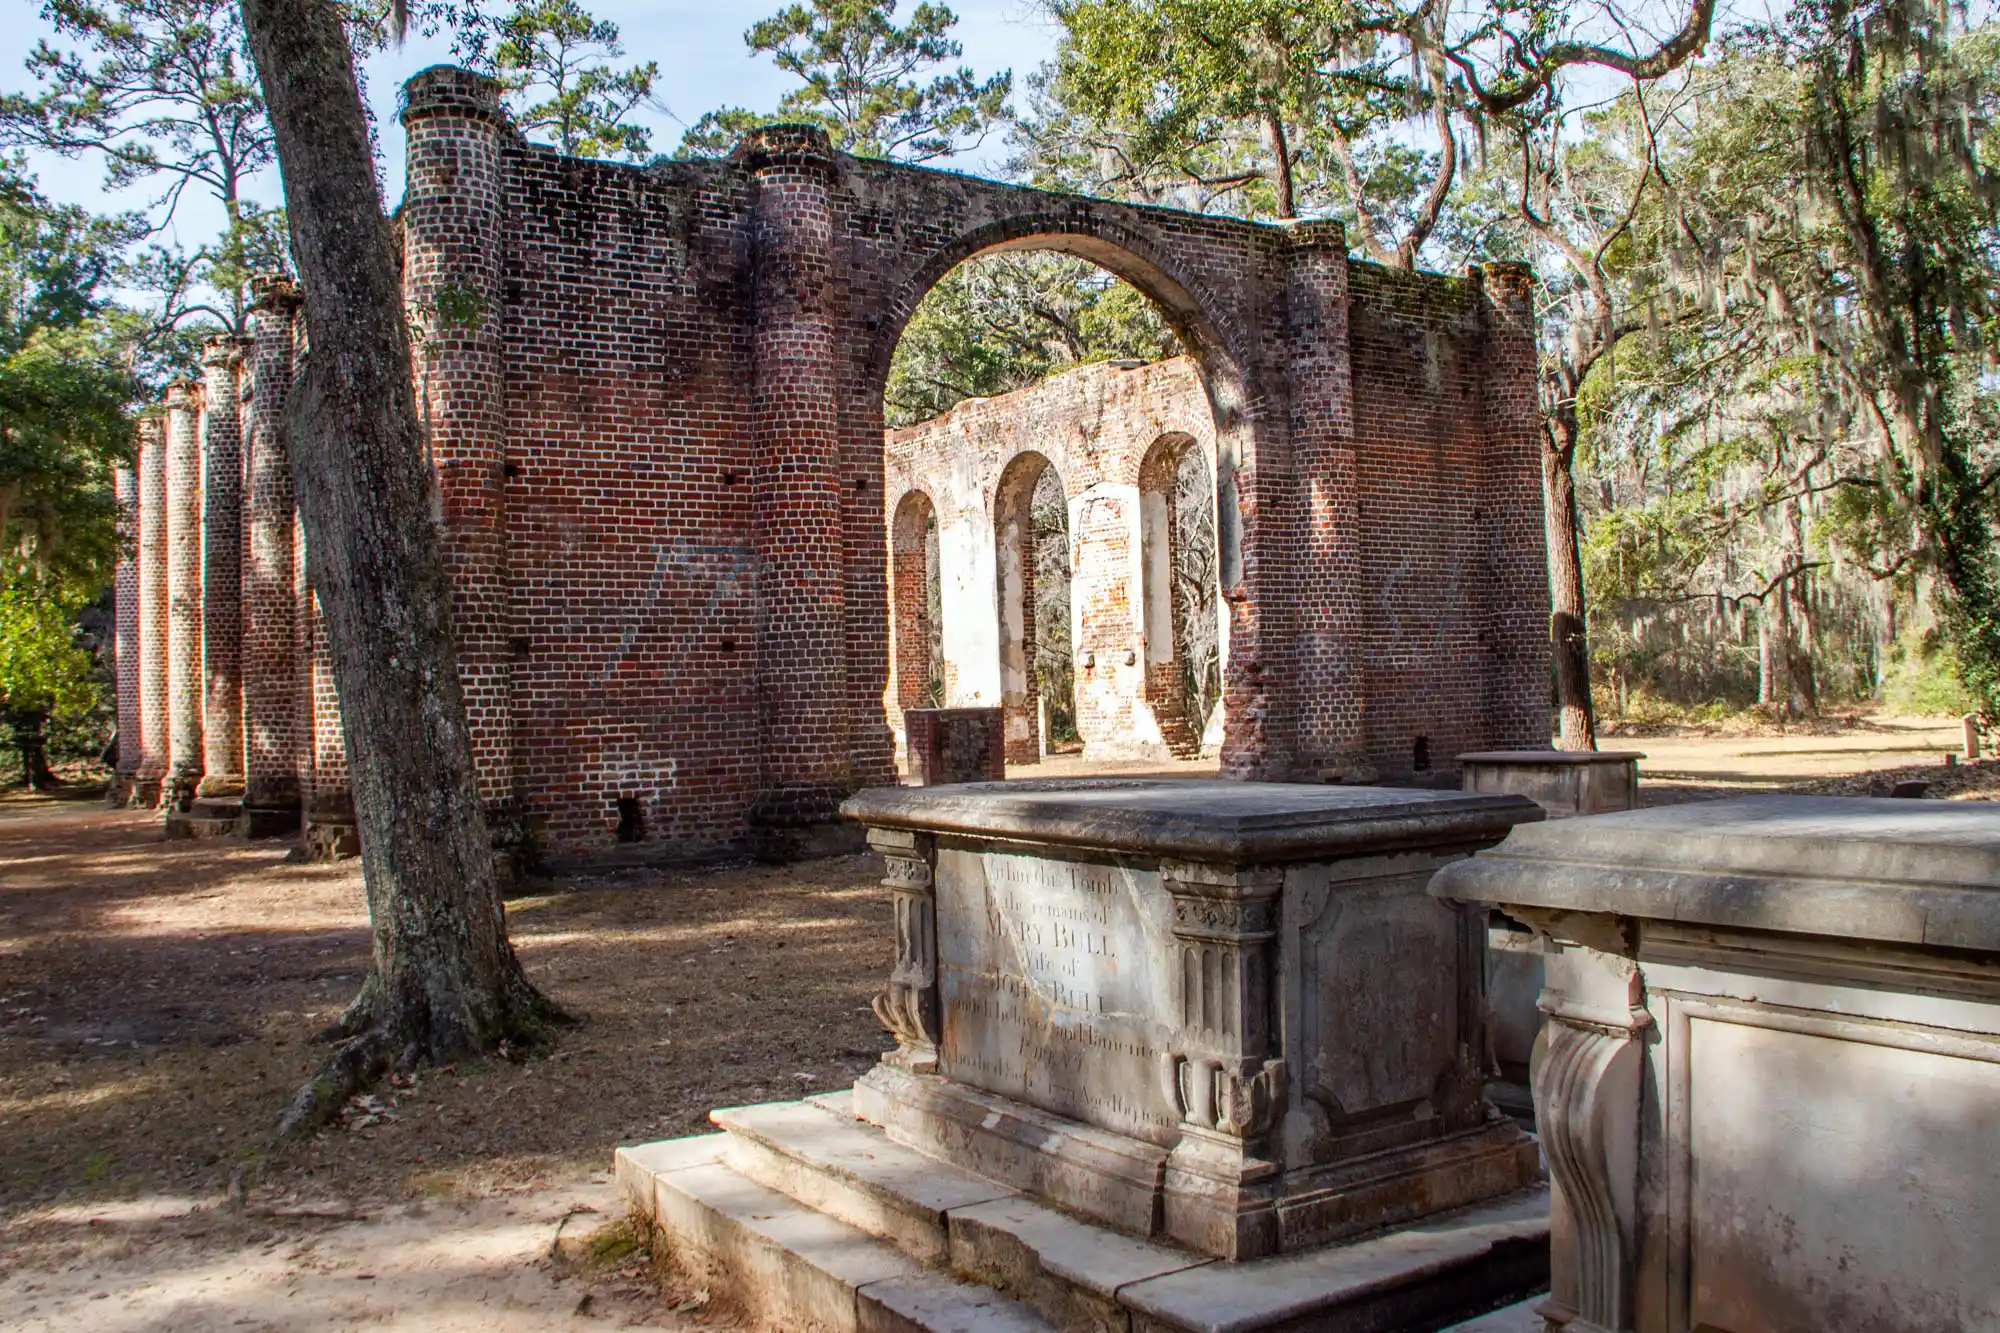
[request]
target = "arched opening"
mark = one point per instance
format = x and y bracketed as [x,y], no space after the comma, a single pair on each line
[1014,408]
[1186,636]
[916,611]
[1032,563]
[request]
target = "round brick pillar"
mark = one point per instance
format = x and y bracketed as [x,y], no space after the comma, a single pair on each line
[221,571]
[273,737]
[151,738]
[125,633]
[184,533]
[1323,689]
[801,657]
[1511,511]
[452,249]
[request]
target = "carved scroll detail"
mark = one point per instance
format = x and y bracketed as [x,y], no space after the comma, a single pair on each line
[1234,1098]
[1586,1086]
[908,1006]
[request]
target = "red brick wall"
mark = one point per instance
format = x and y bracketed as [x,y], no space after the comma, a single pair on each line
[221,570]
[1095,426]
[183,555]
[654,399]
[275,726]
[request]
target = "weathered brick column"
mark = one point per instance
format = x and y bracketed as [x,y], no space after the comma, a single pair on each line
[1516,541]
[452,247]
[221,571]
[184,682]
[330,829]
[125,634]
[801,661]
[274,723]
[151,739]
[1326,691]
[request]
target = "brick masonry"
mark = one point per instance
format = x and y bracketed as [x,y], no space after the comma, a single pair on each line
[653,397]
[221,435]
[1110,433]
[955,745]
[125,636]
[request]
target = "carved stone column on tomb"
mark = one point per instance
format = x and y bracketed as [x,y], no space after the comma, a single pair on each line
[151,738]
[1223,1073]
[184,680]
[802,674]
[909,1005]
[221,572]
[1587,1076]
[125,635]
[274,725]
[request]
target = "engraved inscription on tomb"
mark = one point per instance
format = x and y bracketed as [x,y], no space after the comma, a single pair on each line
[1053,985]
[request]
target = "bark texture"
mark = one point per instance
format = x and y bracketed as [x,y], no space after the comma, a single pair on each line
[446,981]
[1569,643]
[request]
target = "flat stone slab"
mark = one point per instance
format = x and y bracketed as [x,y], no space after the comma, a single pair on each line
[934,1303]
[1242,822]
[793,1267]
[1891,871]
[852,1170]
[1553,758]
[1430,1263]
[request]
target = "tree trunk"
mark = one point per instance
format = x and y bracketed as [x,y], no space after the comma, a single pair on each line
[446,982]
[1569,644]
[1804,696]
[1281,178]
[31,740]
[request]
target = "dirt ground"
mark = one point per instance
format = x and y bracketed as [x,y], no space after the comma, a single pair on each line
[157,1002]
[156,1005]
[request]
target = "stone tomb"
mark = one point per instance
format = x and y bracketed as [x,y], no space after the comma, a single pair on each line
[1769,1084]
[1223,1013]
[1170,1056]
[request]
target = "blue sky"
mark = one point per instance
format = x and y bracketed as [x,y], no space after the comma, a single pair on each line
[699,48]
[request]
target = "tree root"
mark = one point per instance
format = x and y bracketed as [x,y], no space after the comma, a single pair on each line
[354,1065]
[370,1041]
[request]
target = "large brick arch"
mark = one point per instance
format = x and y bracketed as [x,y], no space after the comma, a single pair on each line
[660,450]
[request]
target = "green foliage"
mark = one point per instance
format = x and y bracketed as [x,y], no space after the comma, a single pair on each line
[555,51]
[1000,322]
[1920,677]
[865,83]
[162,91]
[44,671]
[63,392]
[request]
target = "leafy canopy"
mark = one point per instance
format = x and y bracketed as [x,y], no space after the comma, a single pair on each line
[555,51]
[864,83]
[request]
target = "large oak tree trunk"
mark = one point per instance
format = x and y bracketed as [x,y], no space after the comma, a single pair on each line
[1569,644]
[446,982]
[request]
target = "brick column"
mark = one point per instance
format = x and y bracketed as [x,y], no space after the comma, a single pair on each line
[452,250]
[1510,512]
[184,531]
[801,658]
[148,777]
[221,571]
[274,725]
[1326,691]
[125,633]
[330,829]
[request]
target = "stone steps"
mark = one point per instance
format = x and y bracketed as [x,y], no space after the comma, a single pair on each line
[790,1267]
[807,1218]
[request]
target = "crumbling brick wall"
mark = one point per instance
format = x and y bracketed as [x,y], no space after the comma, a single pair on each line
[653,398]
[1096,426]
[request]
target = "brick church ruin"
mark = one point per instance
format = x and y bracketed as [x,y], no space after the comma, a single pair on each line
[653,399]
